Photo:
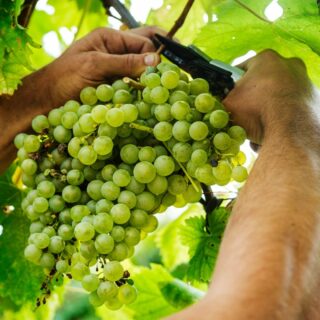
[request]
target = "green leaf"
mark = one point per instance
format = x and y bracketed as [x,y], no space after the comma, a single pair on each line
[173,252]
[150,304]
[203,246]
[179,294]
[296,33]
[20,280]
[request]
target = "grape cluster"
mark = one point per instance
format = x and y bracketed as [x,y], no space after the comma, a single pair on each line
[98,171]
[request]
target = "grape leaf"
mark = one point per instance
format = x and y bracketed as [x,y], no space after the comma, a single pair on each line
[172,251]
[150,303]
[296,33]
[20,280]
[203,246]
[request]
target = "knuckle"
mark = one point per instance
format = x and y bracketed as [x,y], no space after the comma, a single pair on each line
[297,62]
[90,60]
[269,54]
[130,63]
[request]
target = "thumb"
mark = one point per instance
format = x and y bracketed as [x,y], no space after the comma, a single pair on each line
[131,64]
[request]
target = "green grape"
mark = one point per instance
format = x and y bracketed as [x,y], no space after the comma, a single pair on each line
[164,165]
[58,156]
[183,86]
[139,218]
[204,145]
[68,119]
[29,166]
[61,134]
[199,157]
[113,271]
[104,243]
[144,109]
[204,174]
[108,171]
[95,300]
[162,112]
[204,102]
[46,189]
[79,270]
[94,189]
[103,205]
[98,113]
[121,97]
[178,95]
[107,130]
[102,145]
[65,231]
[83,110]
[239,173]
[160,150]
[110,190]
[127,294]
[222,141]
[237,133]
[144,172]
[56,244]
[194,115]
[36,226]
[152,80]
[180,110]
[117,233]
[71,194]
[77,212]
[135,186]
[50,231]
[88,250]
[115,117]
[121,177]
[168,199]
[151,225]
[103,222]
[54,117]
[87,155]
[130,112]
[132,236]
[107,290]
[120,252]
[90,282]
[45,164]
[180,131]
[31,143]
[198,131]
[84,231]
[88,96]
[86,123]
[62,266]
[32,253]
[198,86]
[163,131]
[159,95]
[40,204]
[119,84]
[170,79]
[40,240]
[22,154]
[128,198]
[177,184]
[146,201]
[166,66]
[182,151]
[75,177]
[71,105]
[120,213]
[104,92]
[222,171]
[219,119]
[47,260]
[146,95]
[39,123]
[18,140]
[147,154]
[158,185]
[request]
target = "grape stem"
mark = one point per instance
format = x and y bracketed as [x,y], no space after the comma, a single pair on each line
[141,127]
[132,83]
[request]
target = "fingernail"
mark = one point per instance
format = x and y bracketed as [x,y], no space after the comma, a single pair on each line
[150,59]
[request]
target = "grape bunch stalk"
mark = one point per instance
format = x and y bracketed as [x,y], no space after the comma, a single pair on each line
[98,171]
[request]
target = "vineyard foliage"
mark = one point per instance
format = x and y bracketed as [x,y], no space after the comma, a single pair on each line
[185,247]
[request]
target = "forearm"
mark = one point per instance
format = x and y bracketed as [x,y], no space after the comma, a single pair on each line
[16,112]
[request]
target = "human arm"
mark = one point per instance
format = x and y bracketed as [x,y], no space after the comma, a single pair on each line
[102,55]
[268,264]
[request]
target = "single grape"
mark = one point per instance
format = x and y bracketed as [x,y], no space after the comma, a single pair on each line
[239,173]
[237,133]
[71,194]
[198,86]
[113,271]
[115,117]
[110,190]
[158,185]
[88,96]
[31,143]
[90,282]
[144,172]
[198,130]
[159,95]
[120,213]
[127,294]
[87,155]
[103,222]
[163,131]
[180,110]
[222,141]
[104,243]
[84,231]
[121,177]
[39,123]
[204,102]
[29,166]
[46,189]
[104,92]
[177,184]
[121,97]
[102,145]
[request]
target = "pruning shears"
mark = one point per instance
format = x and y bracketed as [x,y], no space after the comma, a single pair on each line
[220,76]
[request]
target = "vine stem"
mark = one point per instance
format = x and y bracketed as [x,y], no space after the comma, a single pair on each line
[178,23]
[26,12]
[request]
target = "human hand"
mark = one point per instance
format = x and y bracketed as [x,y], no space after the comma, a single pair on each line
[270,95]
[102,55]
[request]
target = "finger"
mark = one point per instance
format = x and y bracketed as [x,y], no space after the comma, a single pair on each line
[131,65]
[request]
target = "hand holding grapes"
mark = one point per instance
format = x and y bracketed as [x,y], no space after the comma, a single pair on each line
[270,95]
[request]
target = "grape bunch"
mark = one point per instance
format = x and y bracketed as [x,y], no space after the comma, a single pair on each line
[98,171]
